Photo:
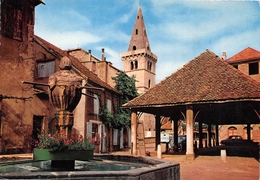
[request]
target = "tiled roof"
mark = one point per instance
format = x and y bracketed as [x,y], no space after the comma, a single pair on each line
[75,62]
[246,54]
[207,78]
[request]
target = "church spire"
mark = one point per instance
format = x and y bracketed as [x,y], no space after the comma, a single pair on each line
[139,39]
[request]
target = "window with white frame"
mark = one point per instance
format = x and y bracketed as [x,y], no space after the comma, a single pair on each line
[45,68]
[96,104]
[109,105]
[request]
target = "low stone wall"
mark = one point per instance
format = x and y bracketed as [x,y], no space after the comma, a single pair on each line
[159,170]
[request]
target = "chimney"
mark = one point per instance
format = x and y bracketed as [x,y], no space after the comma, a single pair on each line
[224,56]
[89,53]
[103,54]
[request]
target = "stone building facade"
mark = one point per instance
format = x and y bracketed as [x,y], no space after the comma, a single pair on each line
[102,68]
[246,61]
[25,109]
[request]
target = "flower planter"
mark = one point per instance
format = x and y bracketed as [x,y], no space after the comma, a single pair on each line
[45,154]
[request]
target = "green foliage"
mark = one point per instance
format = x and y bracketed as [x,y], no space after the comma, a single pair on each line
[117,120]
[125,85]
[121,117]
[106,116]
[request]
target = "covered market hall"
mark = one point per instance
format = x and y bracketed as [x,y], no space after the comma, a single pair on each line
[205,90]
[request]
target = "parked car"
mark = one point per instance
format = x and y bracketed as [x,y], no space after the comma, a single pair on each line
[237,140]
[181,142]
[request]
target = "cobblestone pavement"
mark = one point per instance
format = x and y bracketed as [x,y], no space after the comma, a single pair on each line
[213,167]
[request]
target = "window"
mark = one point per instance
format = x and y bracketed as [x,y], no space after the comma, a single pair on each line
[149,83]
[253,68]
[45,68]
[232,131]
[235,66]
[134,64]
[136,31]
[134,48]
[12,22]
[109,105]
[149,65]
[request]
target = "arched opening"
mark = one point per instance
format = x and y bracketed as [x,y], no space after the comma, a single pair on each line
[149,65]
[136,31]
[134,47]
[232,130]
[136,64]
[132,65]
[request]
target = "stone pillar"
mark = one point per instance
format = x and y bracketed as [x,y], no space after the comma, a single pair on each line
[217,136]
[200,135]
[133,133]
[190,155]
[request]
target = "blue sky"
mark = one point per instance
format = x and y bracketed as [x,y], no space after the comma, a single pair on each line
[178,31]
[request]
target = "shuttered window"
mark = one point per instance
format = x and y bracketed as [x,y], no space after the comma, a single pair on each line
[45,68]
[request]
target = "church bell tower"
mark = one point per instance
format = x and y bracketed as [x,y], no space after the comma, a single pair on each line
[139,61]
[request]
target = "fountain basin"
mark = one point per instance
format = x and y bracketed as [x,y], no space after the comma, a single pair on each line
[147,168]
[45,154]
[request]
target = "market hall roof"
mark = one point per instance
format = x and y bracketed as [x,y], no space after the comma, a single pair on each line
[207,78]
[220,93]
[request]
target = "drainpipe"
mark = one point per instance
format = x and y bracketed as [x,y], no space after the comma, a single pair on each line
[103,54]
[89,53]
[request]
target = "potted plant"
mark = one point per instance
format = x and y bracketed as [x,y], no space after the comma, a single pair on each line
[60,147]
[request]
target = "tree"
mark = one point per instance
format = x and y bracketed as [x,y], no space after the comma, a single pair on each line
[121,118]
[125,85]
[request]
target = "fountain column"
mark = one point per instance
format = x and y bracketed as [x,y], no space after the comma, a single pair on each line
[65,93]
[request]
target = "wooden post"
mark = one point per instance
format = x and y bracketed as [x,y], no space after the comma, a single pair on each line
[217,136]
[133,132]
[157,130]
[141,139]
[200,135]
[248,130]
[189,126]
[175,136]
[209,135]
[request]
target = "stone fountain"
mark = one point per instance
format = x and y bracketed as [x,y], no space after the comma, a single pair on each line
[64,93]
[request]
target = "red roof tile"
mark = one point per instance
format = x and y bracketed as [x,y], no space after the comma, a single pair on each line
[207,78]
[246,54]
